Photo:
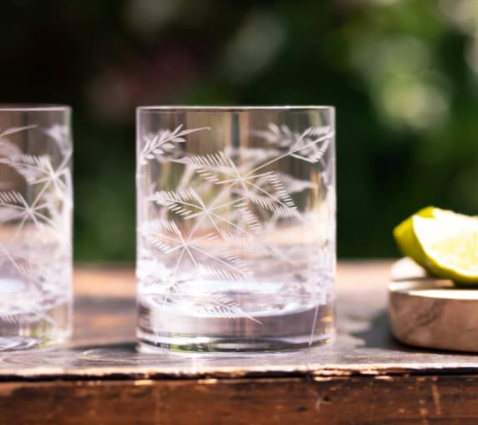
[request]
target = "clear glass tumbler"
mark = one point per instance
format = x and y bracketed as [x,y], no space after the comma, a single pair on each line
[35,226]
[236,228]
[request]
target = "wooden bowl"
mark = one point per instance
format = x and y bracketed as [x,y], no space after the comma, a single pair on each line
[432,313]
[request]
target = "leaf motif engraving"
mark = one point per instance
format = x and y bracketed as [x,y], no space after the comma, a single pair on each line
[8,148]
[164,141]
[164,289]
[31,167]
[263,189]
[13,130]
[270,193]
[204,304]
[311,145]
[211,166]
[184,202]
[313,151]
[33,225]
[61,135]
[293,185]
[219,214]
[239,242]
[14,201]
[211,304]
[203,253]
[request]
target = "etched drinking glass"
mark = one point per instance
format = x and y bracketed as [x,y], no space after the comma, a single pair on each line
[35,226]
[235,228]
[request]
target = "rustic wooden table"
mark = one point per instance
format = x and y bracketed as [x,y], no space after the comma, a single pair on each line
[364,378]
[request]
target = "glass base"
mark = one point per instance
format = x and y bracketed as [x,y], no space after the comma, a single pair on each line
[26,343]
[24,330]
[226,346]
[294,326]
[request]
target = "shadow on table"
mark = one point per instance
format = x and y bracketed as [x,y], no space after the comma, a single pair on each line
[379,336]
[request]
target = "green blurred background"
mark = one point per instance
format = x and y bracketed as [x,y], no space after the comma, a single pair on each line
[403,75]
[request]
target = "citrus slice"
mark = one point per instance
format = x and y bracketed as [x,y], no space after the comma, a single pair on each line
[405,237]
[443,242]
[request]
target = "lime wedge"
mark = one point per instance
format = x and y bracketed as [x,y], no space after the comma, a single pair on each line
[443,242]
[406,239]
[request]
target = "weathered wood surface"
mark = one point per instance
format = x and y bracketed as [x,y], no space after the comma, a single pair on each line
[364,378]
[444,400]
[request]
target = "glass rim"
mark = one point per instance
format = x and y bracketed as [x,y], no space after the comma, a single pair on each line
[239,108]
[33,107]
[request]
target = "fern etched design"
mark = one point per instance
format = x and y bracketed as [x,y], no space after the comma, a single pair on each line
[165,141]
[35,251]
[220,214]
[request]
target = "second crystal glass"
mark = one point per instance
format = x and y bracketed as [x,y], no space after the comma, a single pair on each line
[236,228]
[35,226]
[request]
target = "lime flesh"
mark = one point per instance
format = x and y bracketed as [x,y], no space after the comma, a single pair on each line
[443,242]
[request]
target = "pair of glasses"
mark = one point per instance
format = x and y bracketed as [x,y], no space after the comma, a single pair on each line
[235,228]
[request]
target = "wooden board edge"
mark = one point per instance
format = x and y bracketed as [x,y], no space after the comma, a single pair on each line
[372,400]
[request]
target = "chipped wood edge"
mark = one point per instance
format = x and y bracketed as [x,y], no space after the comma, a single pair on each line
[158,373]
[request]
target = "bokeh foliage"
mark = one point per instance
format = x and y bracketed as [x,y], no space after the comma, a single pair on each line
[403,75]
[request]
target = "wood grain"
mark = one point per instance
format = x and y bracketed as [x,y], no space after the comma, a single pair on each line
[431,312]
[365,377]
[383,400]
